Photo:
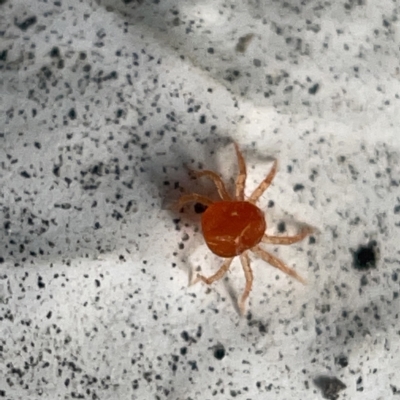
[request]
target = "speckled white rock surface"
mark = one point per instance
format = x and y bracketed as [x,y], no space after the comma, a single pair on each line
[102,103]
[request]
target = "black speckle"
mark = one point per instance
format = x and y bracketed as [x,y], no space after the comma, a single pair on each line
[396,209]
[219,351]
[365,257]
[97,169]
[131,205]
[364,281]
[55,52]
[313,89]
[342,361]
[46,72]
[185,336]
[199,208]
[97,283]
[41,284]
[298,187]
[231,75]
[281,227]
[193,365]
[25,174]
[111,75]
[256,62]
[37,145]
[101,33]
[359,382]
[117,215]
[244,42]
[199,331]
[262,328]
[3,55]
[394,389]
[24,25]
[72,113]
[183,351]
[330,386]
[202,119]
[210,50]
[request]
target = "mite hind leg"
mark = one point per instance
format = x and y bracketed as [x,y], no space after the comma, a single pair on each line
[248,273]
[277,263]
[218,275]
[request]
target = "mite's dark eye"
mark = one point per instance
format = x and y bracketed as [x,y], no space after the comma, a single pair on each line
[199,208]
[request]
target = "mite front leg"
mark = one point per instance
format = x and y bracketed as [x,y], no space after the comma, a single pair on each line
[219,184]
[241,179]
[193,198]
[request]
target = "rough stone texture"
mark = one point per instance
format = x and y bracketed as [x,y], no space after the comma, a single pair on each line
[102,103]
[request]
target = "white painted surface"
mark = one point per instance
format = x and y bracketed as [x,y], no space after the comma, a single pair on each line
[94,289]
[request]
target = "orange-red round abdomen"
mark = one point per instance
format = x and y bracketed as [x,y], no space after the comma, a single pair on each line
[231,227]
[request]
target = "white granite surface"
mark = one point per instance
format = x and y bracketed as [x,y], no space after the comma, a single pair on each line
[102,103]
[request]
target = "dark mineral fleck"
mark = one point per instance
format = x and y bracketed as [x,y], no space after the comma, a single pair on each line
[365,257]
[329,386]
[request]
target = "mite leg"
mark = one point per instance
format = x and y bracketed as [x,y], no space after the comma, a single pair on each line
[244,259]
[241,178]
[193,198]
[218,275]
[287,239]
[263,186]
[223,193]
[277,263]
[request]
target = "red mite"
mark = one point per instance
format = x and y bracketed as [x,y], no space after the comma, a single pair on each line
[233,226]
